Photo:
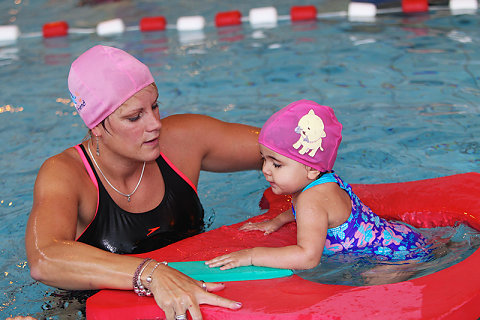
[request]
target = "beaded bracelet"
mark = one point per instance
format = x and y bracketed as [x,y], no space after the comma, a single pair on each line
[137,283]
[150,276]
[135,275]
[138,286]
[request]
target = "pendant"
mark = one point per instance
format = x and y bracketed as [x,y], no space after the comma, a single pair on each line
[128,198]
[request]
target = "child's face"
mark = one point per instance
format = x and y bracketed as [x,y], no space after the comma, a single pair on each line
[286,176]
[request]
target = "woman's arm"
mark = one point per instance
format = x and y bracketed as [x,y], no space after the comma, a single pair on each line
[56,259]
[191,139]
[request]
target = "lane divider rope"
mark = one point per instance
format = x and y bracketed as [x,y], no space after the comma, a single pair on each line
[258,17]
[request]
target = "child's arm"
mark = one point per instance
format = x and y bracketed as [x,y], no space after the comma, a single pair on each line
[269,226]
[312,225]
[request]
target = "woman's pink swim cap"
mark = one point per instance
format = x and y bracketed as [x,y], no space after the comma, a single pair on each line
[305,132]
[102,79]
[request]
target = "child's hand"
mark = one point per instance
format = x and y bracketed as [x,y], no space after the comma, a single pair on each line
[232,260]
[267,226]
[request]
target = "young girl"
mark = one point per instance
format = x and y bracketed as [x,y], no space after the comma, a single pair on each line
[299,146]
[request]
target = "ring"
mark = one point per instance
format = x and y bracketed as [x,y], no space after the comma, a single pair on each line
[204,285]
[181,316]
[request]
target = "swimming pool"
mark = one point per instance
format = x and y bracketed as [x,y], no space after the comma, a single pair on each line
[406,89]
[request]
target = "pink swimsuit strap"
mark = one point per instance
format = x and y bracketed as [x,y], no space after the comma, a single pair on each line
[92,177]
[87,165]
[180,173]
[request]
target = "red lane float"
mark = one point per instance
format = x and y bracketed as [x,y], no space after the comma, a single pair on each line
[301,13]
[452,293]
[228,18]
[55,29]
[412,6]
[153,23]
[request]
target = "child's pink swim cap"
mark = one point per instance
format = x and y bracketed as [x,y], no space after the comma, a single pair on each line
[102,79]
[305,132]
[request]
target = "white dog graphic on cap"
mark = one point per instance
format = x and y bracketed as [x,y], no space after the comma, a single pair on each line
[311,130]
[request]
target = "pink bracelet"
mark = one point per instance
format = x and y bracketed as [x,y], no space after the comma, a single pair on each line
[138,286]
[137,283]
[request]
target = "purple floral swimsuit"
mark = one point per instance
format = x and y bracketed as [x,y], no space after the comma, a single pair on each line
[366,233]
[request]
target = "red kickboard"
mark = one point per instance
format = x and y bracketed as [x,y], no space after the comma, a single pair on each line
[452,293]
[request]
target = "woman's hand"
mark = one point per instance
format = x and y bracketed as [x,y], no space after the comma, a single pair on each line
[267,226]
[232,260]
[176,293]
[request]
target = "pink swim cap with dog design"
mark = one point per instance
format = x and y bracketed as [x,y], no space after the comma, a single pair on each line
[305,132]
[102,79]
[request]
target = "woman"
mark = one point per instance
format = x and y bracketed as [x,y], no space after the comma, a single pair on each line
[129,187]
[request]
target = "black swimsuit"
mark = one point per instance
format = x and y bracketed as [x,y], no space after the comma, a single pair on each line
[178,216]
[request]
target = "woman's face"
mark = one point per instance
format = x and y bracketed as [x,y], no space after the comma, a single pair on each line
[134,128]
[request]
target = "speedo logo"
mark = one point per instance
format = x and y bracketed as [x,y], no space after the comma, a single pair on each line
[79,102]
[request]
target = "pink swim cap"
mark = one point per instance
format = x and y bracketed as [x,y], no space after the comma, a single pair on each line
[102,79]
[305,132]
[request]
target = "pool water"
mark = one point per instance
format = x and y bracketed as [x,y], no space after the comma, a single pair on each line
[448,246]
[406,89]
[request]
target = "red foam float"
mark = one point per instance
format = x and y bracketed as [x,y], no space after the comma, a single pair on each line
[153,23]
[413,6]
[452,293]
[302,13]
[55,29]
[228,18]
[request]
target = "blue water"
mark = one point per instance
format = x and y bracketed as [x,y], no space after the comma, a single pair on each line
[406,89]
[448,246]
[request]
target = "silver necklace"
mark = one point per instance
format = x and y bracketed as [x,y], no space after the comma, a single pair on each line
[123,194]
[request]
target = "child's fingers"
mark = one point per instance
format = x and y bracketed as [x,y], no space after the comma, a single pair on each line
[216,262]
[246,226]
[229,265]
[250,226]
[254,228]
[220,264]
[224,262]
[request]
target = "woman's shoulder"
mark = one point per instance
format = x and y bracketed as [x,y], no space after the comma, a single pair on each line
[63,191]
[202,124]
[67,158]
[213,144]
[65,166]
[196,134]
[182,129]
[185,120]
